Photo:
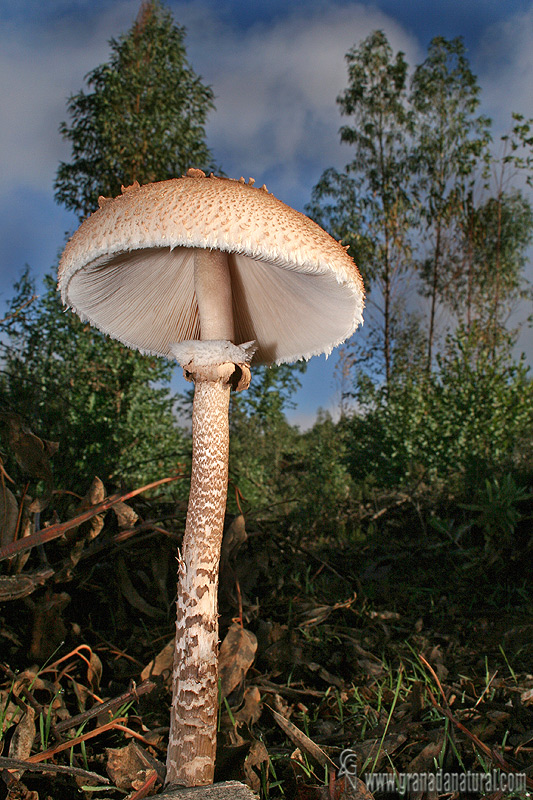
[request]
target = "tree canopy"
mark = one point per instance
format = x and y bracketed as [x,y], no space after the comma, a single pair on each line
[419,207]
[143,118]
[110,407]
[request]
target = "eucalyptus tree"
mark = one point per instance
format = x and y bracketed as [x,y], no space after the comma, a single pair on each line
[495,231]
[143,118]
[498,232]
[110,410]
[368,205]
[450,144]
[505,221]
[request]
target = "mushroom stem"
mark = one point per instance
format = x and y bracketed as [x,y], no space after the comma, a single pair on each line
[212,285]
[193,719]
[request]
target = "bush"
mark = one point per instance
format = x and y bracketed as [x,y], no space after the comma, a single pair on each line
[471,418]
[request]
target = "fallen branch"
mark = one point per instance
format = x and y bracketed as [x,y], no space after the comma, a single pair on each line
[17,763]
[52,751]
[55,531]
[107,705]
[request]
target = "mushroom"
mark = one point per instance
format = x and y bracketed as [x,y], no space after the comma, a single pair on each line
[186,268]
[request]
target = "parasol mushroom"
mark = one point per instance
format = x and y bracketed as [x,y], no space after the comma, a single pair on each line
[185,268]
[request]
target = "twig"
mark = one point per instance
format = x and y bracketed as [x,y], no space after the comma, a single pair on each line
[435,678]
[17,763]
[54,531]
[144,526]
[136,735]
[15,314]
[116,651]
[145,788]
[20,511]
[52,751]
[321,560]
[485,690]
[108,705]
[76,652]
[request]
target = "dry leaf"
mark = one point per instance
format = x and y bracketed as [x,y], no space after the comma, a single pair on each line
[127,768]
[27,527]
[11,712]
[49,629]
[89,530]
[23,738]
[376,751]
[161,663]
[15,587]
[384,615]
[126,516]
[132,595]
[279,645]
[344,789]
[436,660]
[31,453]
[27,679]
[257,755]
[94,672]
[302,741]
[527,696]
[247,715]
[82,695]
[425,760]
[326,676]
[237,654]
[234,538]
[251,710]
[8,515]
[77,536]
[315,615]
[161,560]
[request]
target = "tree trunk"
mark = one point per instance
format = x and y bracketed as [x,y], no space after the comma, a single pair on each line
[434,291]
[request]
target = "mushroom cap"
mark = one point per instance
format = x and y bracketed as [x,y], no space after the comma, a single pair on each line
[129,269]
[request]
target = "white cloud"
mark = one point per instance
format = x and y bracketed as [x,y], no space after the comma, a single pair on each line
[40,66]
[276,87]
[505,67]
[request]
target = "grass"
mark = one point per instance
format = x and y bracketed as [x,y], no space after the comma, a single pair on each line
[400,647]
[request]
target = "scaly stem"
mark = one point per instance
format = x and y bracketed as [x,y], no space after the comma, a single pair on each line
[192,740]
[193,717]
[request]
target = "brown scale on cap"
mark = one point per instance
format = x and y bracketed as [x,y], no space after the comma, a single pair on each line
[129,268]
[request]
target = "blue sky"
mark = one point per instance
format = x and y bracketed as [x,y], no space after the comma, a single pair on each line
[276,67]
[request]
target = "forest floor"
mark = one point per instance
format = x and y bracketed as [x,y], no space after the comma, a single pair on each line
[343,659]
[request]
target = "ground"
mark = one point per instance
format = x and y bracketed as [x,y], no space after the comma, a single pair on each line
[405,650]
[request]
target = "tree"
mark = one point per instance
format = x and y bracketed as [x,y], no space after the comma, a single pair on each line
[449,143]
[424,202]
[371,208]
[108,407]
[143,120]
[495,229]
